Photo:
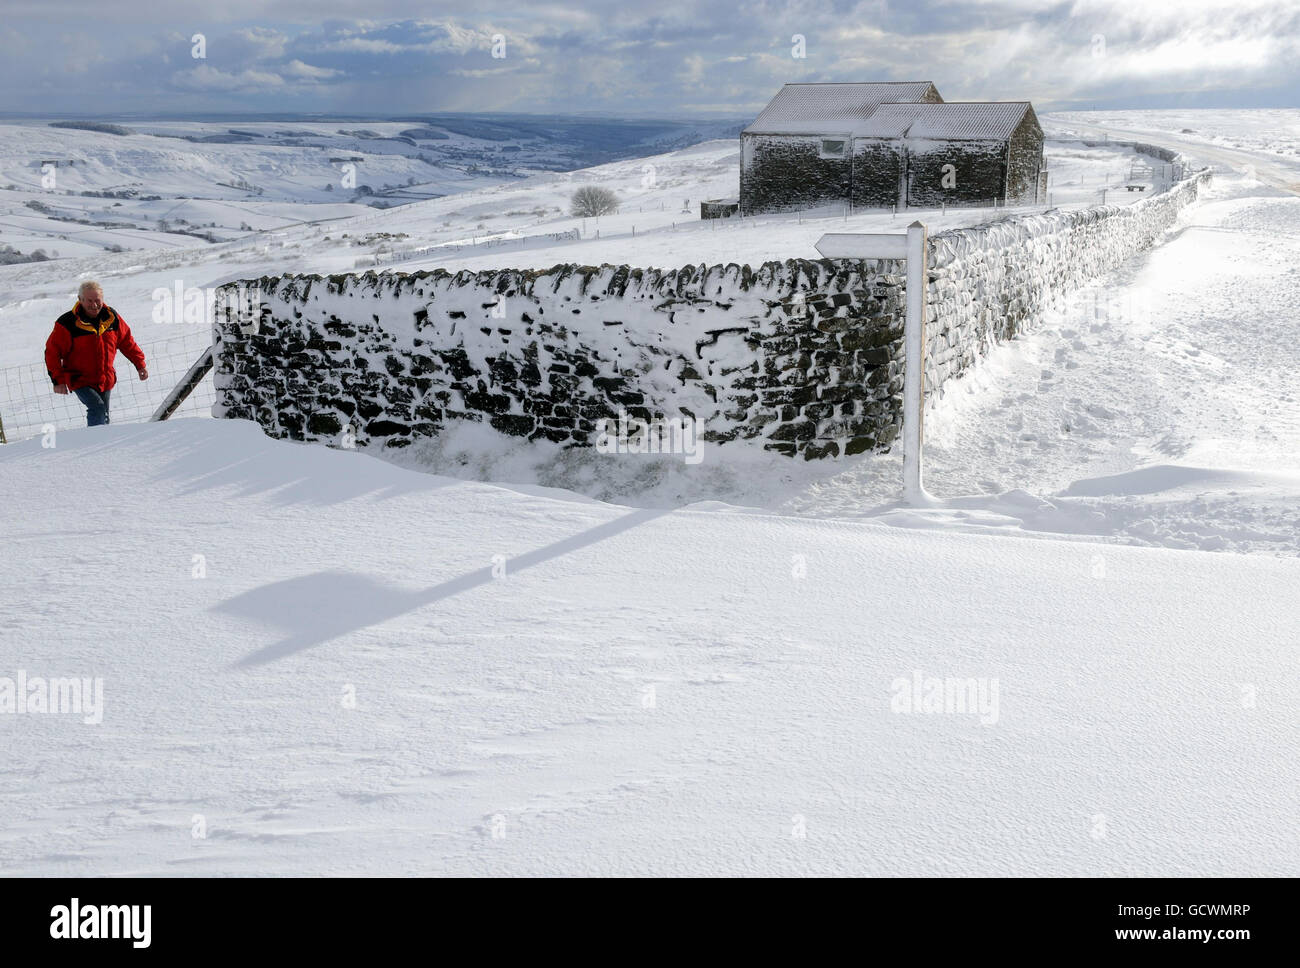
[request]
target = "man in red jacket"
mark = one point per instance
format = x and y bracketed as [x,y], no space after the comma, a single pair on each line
[79,353]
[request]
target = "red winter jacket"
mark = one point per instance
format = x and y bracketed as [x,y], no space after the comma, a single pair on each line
[80,351]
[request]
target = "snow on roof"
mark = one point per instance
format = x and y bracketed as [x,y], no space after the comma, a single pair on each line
[830,108]
[957,120]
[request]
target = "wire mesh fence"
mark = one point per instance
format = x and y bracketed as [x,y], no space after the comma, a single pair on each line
[29,407]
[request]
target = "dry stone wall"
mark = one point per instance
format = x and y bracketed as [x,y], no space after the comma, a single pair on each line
[801,357]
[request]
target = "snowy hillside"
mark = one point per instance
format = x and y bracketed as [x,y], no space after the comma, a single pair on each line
[346,688]
[173,184]
[502,657]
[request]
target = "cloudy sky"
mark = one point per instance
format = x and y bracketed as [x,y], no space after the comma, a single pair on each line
[663,59]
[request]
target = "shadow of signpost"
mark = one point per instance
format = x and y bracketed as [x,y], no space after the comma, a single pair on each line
[324,606]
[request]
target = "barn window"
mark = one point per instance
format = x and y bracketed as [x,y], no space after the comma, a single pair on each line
[833,148]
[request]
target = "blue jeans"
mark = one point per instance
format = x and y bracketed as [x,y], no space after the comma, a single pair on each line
[96,402]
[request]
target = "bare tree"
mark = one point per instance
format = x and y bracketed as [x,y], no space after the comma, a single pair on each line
[592,200]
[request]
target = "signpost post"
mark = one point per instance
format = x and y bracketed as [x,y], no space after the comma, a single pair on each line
[911,248]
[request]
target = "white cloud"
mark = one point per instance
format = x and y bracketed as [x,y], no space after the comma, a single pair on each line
[207,78]
[423,36]
[309,72]
[266,42]
[362,45]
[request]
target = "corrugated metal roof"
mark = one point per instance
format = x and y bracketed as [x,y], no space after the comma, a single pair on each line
[956,120]
[830,108]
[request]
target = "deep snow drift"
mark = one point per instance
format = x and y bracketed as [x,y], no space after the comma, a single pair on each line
[1161,408]
[348,689]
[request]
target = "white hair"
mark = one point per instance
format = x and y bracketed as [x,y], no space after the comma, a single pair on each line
[87,286]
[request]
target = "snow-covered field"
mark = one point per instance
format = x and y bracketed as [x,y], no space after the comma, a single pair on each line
[315,661]
[176,185]
[348,689]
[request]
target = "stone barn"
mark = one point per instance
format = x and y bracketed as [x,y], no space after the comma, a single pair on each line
[880,145]
[798,151]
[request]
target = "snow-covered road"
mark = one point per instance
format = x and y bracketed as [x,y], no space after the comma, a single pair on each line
[1162,407]
[1269,170]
